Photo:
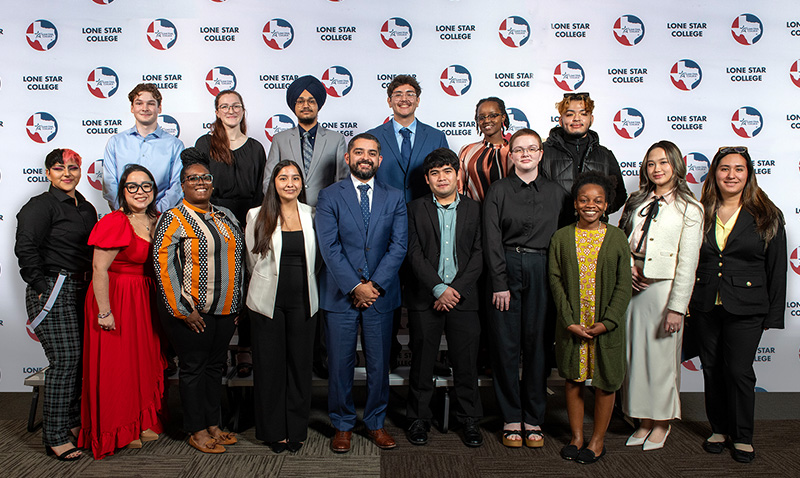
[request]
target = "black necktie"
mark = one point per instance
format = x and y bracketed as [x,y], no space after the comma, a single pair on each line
[651,211]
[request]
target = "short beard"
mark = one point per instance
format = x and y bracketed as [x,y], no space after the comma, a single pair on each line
[307,121]
[363,175]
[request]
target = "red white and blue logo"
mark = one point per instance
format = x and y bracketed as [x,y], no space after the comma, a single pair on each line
[629,30]
[517,120]
[170,125]
[338,81]
[686,75]
[794,73]
[95,174]
[747,29]
[747,122]
[162,34]
[276,124]
[278,34]
[693,365]
[103,82]
[514,31]
[629,123]
[396,33]
[794,260]
[220,78]
[42,127]
[697,165]
[455,80]
[102,2]
[569,75]
[41,35]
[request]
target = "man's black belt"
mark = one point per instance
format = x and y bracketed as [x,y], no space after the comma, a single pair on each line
[525,250]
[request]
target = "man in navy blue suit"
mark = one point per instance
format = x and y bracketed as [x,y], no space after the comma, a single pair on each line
[362,231]
[405,141]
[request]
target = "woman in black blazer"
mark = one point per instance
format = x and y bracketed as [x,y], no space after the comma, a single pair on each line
[740,291]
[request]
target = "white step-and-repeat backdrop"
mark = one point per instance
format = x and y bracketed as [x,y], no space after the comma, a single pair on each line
[701,74]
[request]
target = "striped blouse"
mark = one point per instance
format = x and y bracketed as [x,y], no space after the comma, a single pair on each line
[482,163]
[199,260]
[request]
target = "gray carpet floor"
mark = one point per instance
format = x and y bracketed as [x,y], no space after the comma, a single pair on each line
[778,422]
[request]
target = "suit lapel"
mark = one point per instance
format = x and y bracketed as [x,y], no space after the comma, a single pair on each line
[433,216]
[743,223]
[376,212]
[319,147]
[419,141]
[388,141]
[294,146]
[353,202]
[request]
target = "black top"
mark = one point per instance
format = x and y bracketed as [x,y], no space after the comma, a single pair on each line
[237,186]
[516,214]
[52,234]
[292,279]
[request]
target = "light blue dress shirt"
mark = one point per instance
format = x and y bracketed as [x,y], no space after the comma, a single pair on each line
[448,265]
[159,152]
[399,137]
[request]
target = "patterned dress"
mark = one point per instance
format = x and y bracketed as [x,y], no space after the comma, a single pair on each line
[587,245]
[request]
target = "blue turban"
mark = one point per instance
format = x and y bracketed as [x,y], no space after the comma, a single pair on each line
[308,82]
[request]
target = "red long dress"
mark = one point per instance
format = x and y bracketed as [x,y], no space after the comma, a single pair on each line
[123,369]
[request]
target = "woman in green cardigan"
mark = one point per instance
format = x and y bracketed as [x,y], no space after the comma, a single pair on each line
[589,271]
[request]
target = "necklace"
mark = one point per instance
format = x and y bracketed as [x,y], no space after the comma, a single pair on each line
[146,225]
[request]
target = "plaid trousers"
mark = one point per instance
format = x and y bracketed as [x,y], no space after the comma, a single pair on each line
[61,336]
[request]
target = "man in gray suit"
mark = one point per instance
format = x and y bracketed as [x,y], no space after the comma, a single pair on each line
[318,150]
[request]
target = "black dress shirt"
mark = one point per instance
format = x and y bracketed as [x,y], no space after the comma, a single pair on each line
[516,214]
[52,234]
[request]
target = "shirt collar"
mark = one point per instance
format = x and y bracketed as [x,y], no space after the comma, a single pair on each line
[667,198]
[440,206]
[62,196]
[518,183]
[158,133]
[195,208]
[357,183]
[312,131]
[397,127]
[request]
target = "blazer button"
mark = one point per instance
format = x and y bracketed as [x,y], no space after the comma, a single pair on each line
[649,258]
[698,279]
[720,264]
[749,283]
[651,238]
[359,270]
[671,254]
[719,274]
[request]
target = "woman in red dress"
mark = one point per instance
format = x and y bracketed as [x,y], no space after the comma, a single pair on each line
[123,368]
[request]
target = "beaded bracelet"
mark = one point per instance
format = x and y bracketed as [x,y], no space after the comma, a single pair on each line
[104,315]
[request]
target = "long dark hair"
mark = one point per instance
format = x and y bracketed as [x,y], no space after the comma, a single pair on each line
[646,186]
[220,146]
[267,219]
[754,200]
[151,210]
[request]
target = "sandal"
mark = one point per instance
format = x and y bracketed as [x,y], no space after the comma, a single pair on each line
[244,369]
[530,442]
[507,441]
[66,455]
[211,446]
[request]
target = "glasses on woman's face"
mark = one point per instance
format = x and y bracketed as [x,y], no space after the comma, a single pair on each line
[146,187]
[196,178]
[490,116]
[237,107]
[519,151]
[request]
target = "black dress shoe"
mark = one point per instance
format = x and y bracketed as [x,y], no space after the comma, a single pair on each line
[471,435]
[715,447]
[570,452]
[743,456]
[278,446]
[587,456]
[294,446]
[417,433]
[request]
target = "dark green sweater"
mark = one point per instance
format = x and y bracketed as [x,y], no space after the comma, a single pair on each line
[612,294]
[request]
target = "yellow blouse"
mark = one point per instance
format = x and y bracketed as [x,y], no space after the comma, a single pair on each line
[722,231]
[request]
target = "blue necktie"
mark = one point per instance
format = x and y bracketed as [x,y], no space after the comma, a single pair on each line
[405,147]
[308,151]
[363,188]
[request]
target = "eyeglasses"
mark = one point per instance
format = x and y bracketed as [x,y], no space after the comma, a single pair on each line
[732,149]
[235,107]
[576,96]
[146,187]
[196,178]
[401,94]
[303,101]
[532,150]
[490,116]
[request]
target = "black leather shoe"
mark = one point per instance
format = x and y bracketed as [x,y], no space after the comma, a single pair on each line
[471,435]
[570,452]
[743,456]
[278,446]
[715,447]
[587,456]
[294,446]
[417,433]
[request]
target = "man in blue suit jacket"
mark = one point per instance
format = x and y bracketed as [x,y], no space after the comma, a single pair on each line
[405,141]
[362,231]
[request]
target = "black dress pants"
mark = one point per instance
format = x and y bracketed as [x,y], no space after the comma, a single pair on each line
[202,357]
[463,331]
[728,345]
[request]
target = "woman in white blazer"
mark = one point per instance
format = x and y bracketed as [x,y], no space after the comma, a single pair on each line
[664,223]
[283,301]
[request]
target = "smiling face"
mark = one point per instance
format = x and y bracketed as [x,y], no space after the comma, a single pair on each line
[288,183]
[138,201]
[363,159]
[65,176]
[196,188]
[590,204]
[731,174]
[490,119]
[404,102]
[659,170]
[145,109]
[443,181]
[230,110]
[522,154]
[576,120]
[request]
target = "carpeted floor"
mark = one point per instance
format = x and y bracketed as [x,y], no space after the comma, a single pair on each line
[22,453]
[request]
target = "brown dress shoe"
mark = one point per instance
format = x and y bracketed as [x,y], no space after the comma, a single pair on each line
[341,441]
[382,438]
